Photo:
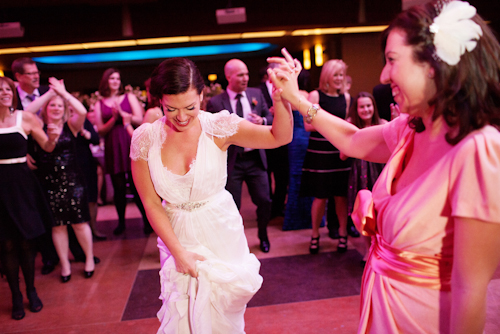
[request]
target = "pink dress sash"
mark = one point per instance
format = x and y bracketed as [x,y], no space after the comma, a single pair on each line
[433,272]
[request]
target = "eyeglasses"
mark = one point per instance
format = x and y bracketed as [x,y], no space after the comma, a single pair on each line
[33,73]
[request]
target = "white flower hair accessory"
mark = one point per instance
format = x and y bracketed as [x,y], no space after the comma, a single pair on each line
[454,31]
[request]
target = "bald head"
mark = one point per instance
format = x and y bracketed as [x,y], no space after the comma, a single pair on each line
[237,75]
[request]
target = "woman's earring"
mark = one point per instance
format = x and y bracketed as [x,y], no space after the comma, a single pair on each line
[431,73]
[11,110]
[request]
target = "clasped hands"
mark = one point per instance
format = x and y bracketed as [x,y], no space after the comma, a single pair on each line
[284,77]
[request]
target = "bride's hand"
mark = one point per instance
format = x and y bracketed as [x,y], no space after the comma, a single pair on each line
[284,77]
[185,263]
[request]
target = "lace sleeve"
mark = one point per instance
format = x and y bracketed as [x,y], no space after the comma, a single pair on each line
[222,124]
[141,142]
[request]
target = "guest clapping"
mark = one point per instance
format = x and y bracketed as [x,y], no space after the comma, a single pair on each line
[116,132]
[61,176]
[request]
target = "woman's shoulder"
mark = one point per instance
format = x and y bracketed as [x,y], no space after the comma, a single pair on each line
[481,142]
[220,124]
[143,138]
[28,118]
[474,177]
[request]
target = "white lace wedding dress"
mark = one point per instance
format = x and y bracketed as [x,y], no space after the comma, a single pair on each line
[206,221]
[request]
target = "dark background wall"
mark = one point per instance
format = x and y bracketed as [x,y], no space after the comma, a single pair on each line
[49,22]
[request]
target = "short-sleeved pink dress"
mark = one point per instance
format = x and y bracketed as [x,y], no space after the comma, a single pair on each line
[406,283]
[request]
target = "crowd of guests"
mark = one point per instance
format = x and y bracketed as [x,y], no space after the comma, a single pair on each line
[349,147]
[94,138]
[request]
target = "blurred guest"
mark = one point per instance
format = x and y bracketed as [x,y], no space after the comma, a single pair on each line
[298,208]
[362,113]
[277,159]
[110,124]
[324,174]
[246,164]
[23,209]
[154,111]
[61,176]
[28,89]
[88,164]
[27,75]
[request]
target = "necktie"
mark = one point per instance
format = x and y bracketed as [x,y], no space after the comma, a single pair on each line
[32,97]
[239,107]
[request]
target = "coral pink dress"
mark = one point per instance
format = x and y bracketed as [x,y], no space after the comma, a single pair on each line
[406,283]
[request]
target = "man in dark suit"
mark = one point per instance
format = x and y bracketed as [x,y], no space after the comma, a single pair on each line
[277,158]
[27,75]
[246,164]
[382,93]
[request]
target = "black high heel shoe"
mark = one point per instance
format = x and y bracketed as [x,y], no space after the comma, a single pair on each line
[17,307]
[314,246]
[342,246]
[35,302]
[88,274]
[65,279]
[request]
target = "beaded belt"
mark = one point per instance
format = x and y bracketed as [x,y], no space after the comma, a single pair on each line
[12,161]
[188,206]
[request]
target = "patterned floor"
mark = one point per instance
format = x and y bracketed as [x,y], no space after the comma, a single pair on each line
[301,293]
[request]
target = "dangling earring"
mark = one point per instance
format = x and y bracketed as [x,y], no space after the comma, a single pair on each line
[11,110]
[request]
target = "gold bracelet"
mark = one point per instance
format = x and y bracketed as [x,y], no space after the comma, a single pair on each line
[311,113]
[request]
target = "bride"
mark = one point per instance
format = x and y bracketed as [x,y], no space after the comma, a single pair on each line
[207,274]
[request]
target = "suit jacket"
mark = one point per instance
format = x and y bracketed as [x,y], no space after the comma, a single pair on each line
[42,90]
[265,92]
[221,102]
[382,93]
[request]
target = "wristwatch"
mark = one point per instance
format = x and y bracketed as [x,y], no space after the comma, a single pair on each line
[313,110]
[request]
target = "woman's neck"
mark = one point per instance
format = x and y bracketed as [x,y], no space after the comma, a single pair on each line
[332,92]
[113,94]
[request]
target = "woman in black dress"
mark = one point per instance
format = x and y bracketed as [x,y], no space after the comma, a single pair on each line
[324,174]
[23,209]
[62,178]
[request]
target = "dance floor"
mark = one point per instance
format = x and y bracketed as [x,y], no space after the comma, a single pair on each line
[301,293]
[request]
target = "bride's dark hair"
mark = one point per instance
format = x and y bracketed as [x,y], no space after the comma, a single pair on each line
[175,76]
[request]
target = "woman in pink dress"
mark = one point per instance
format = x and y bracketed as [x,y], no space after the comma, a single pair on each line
[434,215]
[116,114]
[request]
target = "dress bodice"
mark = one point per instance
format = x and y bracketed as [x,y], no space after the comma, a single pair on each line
[13,143]
[207,175]
[206,221]
[62,155]
[107,112]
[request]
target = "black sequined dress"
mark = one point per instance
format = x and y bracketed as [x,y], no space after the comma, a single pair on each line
[63,180]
